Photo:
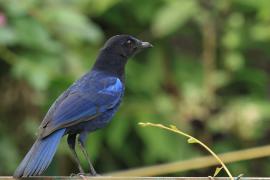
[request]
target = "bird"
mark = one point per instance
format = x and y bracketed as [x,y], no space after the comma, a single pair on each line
[87,105]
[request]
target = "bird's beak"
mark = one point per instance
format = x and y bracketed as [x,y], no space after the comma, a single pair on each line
[145,45]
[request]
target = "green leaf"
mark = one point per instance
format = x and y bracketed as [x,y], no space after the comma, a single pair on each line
[218,169]
[192,140]
[174,127]
[232,39]
[98,7]
[38,70]
[33,35]
[142,124]
[17,8]
[71,25]
[260,32]
[173,16]
[234,60]
[7,36]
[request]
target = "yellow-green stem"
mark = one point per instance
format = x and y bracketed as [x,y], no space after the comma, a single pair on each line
[191,140]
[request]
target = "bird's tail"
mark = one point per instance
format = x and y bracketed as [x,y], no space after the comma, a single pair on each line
[40,155]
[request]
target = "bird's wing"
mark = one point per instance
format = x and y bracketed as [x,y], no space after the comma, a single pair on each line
[82,106]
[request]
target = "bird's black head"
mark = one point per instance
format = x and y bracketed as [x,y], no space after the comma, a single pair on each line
[125,45]
[115,53]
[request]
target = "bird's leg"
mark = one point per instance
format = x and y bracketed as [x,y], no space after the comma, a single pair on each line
[81,139]
[71,143]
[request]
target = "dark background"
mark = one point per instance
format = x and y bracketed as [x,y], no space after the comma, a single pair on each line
[207,74]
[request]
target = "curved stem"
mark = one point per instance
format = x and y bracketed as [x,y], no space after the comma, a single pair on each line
[190,140]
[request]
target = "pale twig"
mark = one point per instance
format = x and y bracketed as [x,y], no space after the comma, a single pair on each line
[190,140]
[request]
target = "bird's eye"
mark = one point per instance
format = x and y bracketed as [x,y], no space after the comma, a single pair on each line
[129,43]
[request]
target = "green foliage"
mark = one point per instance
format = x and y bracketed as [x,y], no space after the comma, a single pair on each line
[207,73]
[173,15]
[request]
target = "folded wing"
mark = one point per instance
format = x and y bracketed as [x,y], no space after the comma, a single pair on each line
[79,106]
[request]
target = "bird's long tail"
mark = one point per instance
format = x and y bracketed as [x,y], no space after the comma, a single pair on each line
[39,156]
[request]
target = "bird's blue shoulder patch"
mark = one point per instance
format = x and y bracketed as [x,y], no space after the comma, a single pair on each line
[115,86]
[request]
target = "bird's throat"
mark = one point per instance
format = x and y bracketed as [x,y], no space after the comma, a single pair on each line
[111,63]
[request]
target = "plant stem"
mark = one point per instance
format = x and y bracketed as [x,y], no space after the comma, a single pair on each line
[190,140]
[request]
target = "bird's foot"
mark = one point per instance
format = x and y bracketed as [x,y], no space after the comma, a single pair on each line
[84,174]
[80,174]
[93,171]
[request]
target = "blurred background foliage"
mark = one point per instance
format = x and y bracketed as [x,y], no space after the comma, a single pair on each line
[207,74]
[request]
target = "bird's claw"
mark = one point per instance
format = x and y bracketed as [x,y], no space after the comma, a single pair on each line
[80,174]
[84,174]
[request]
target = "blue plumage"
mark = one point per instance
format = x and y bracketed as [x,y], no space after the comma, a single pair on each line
[40,155]
[85,100]
[87,105]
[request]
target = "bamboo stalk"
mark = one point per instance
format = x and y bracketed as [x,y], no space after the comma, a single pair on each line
[196,163]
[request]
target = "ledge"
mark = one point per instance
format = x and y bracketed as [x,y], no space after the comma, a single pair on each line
[130,178]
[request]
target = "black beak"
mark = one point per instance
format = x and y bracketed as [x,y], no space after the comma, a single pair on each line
[145,45]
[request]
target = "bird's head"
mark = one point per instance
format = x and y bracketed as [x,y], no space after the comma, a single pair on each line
[125,45]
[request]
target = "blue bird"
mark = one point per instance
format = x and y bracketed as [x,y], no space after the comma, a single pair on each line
[87,105]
